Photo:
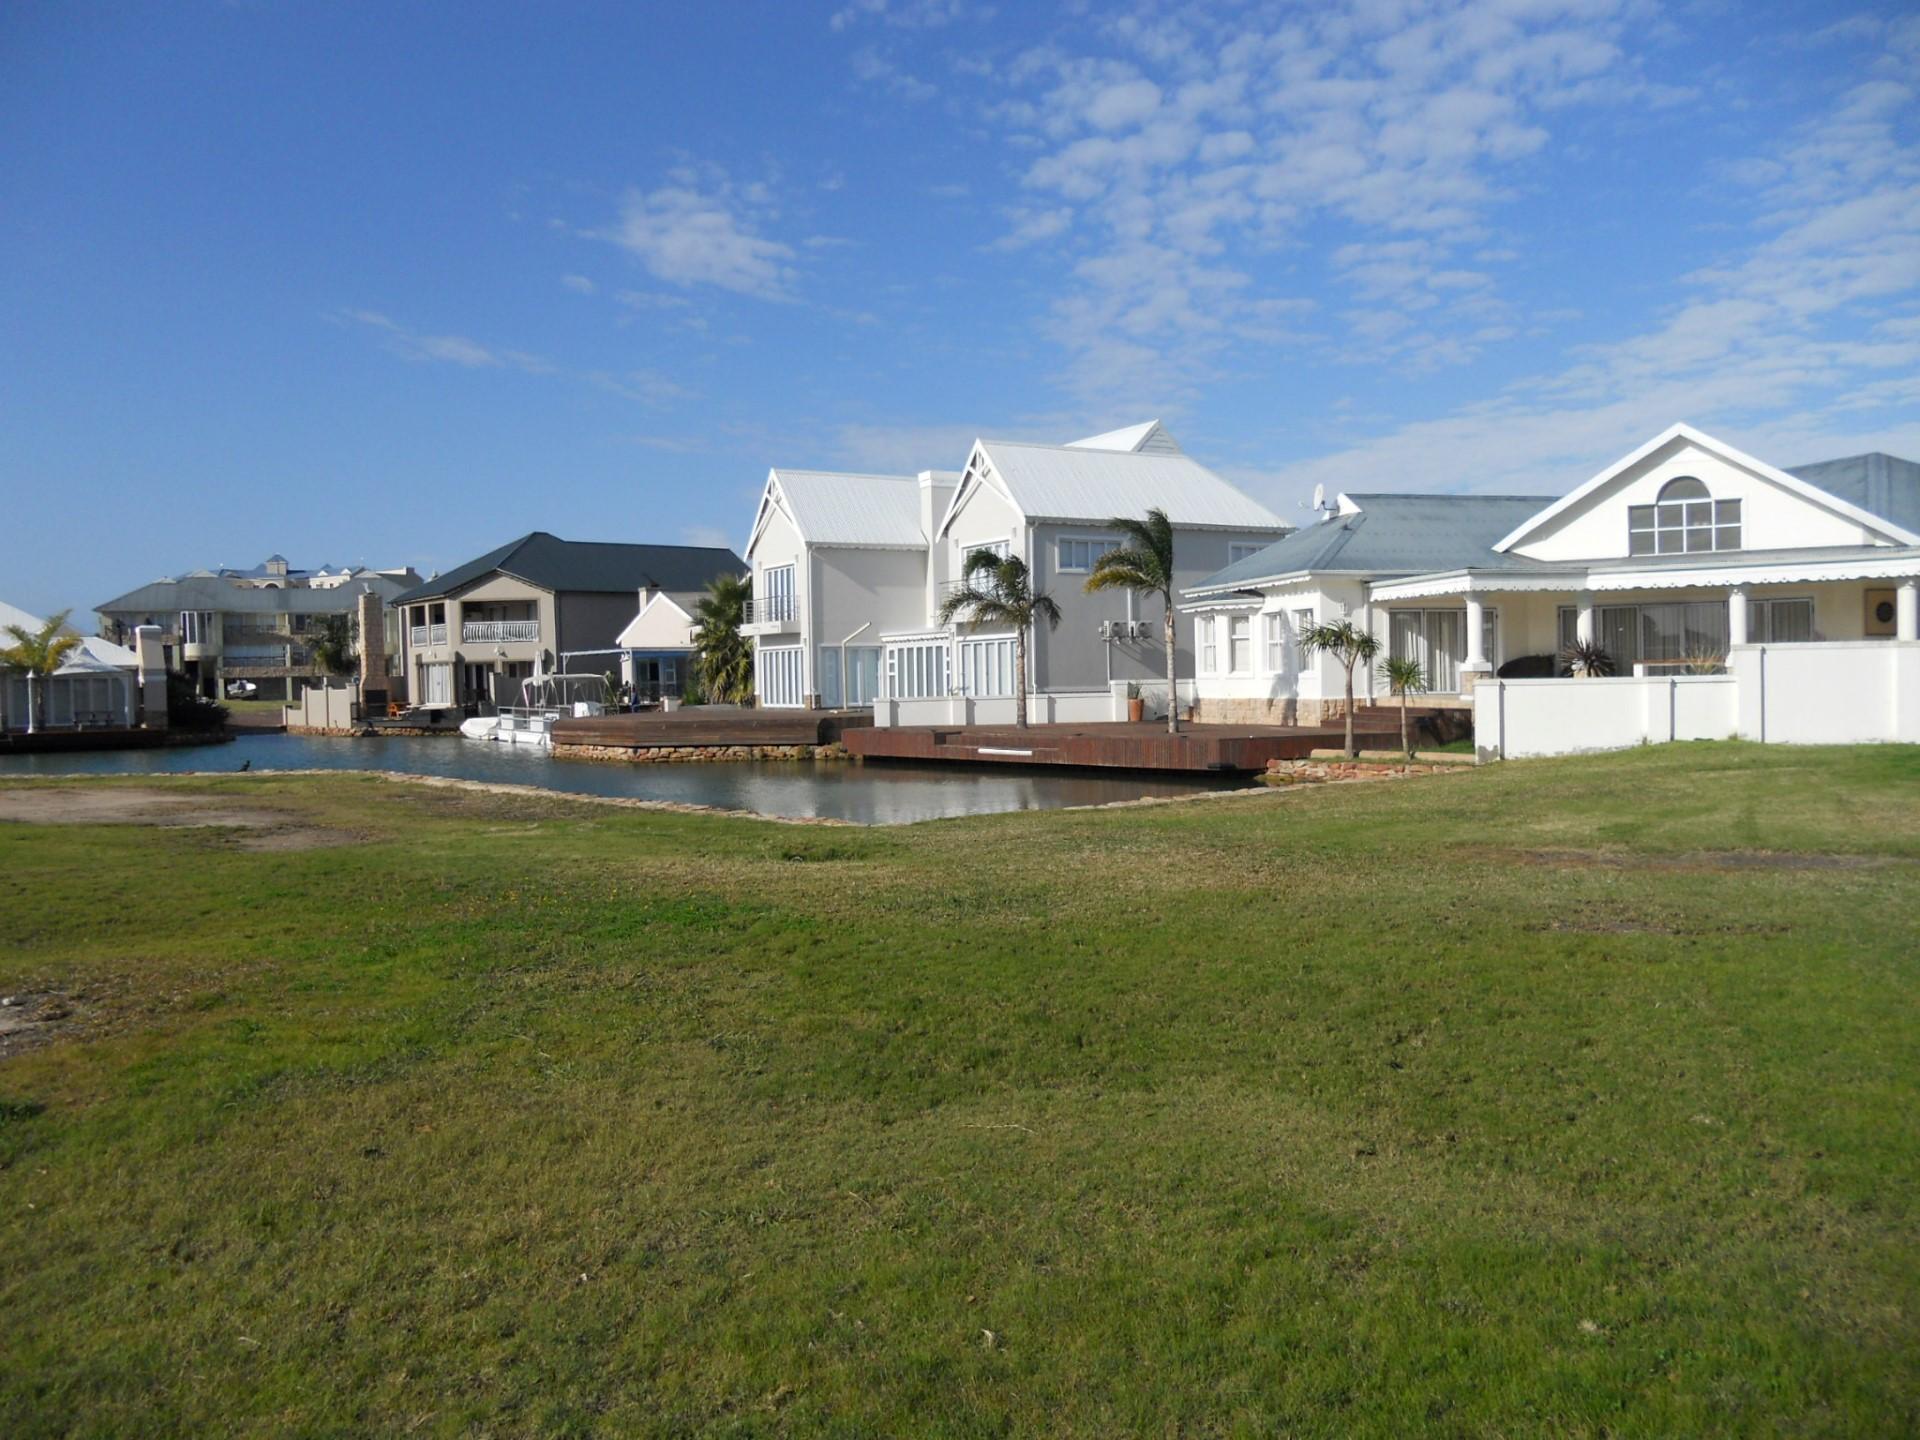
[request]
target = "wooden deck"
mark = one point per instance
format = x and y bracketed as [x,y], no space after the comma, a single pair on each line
[703,725]
[1115,746]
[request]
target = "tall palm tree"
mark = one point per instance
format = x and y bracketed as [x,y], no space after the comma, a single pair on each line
[40,652]
[997,590]
[722,657]
[1144,565]
[1351,646]
[1404,676]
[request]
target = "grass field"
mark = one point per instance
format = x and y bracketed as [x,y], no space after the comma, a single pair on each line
[1553,1098]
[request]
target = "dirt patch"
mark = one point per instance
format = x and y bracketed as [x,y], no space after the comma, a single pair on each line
[28,1021]
[260,827]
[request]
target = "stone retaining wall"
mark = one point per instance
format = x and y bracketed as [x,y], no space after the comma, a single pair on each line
[1295,772]
[696,754]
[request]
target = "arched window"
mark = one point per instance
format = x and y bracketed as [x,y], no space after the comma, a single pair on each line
[1683,520]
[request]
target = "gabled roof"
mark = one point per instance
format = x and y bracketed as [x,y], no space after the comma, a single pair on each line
[831,508]
[1391,535]
[600,567]
[1881,484]
[1787,481]
[1148,437]
[1077,483]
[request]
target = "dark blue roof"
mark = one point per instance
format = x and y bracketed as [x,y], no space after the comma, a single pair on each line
[590,565]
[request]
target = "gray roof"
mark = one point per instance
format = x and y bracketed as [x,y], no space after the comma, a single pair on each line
[210,592]
[1881,484]
[1395,535]
[588,565]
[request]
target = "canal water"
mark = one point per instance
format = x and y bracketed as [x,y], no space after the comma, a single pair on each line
[874,793]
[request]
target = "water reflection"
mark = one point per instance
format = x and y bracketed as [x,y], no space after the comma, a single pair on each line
[873,794]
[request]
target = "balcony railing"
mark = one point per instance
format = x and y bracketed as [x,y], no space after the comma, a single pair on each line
[421,636]
[770,609]
[499,632]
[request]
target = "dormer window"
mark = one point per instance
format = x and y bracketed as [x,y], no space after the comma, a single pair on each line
[1683,520]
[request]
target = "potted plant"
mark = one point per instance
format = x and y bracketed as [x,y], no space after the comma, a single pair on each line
[1136,703]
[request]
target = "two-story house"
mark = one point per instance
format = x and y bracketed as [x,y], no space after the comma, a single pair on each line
[541,605]
[850,571]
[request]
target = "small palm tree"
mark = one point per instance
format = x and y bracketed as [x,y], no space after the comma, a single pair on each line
[1404,676]
[1351,646]
[330,640]
[722,657]
[997,590]
[40,652]
[1588,658]
[1144,565]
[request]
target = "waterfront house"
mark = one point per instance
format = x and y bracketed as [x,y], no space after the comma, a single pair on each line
[97,687]
[540,603]
[850,571]
[223,625]
[1683,560]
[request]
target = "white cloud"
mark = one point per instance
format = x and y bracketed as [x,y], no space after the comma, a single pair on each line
[452,349]
[876,69]
[578,284]
[1030,227]
[704,230]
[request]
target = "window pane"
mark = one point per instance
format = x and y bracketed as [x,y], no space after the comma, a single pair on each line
[1684,487]
[1792,621]
[1726,512]
[1640,517]
[1640,542]
[1669,543]
[1726,537]
[1700,538]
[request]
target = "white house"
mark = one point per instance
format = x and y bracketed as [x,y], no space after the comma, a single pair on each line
[850,572]
[100,685]
[1683,560]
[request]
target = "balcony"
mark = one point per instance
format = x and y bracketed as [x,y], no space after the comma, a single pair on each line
[766,614]
[421,636]
[498,632]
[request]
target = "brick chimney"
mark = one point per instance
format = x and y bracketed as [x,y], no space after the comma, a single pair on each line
[373,655]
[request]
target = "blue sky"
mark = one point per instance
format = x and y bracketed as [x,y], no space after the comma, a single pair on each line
[394,284]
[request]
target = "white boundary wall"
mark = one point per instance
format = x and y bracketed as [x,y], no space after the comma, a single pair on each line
[1819,693]
[1044,707]
[322,707]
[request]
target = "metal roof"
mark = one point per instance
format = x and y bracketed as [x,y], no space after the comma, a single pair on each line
[1394,535]
[831,508]
[1881,484]
[1149,435]
[1064,482]
[600,567]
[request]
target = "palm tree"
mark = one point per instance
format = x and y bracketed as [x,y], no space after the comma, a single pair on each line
[330,640]
[1144,565]
[40,652]
[1404,676]
[996,590]
[722,658]
[1348,644]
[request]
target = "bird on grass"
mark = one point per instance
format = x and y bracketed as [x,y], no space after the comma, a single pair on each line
[246,764]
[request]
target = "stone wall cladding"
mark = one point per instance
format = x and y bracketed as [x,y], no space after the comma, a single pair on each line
[696,754]
[1295,772]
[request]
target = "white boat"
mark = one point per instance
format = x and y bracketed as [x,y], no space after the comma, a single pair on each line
[543,700]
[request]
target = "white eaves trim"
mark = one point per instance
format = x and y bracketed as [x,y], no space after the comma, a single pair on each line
[1683,431]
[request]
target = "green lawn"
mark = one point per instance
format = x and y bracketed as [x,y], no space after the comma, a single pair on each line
[1553,1098]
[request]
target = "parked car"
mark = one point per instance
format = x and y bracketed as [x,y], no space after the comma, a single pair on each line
[241,689]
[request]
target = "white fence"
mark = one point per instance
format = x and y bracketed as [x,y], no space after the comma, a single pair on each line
[1044,707]
[1817,693]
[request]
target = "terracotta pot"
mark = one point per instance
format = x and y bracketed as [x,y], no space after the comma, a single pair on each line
[1137,709]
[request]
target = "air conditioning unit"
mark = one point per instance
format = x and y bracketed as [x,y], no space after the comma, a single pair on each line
[1109,629]
[1142,630]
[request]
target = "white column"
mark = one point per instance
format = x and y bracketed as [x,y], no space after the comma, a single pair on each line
[1906,611]
[1583,616]
[33,710]
[1476,634]
[1737,615]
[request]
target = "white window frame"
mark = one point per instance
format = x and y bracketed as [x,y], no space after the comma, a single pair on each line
[1238,550]
[1240,645]
[1096,546]
[1207,646]
[779,676]
[1697,525]
[1274,642]
[1760,618]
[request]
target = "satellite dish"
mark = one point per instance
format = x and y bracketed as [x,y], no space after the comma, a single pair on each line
[1320,497]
